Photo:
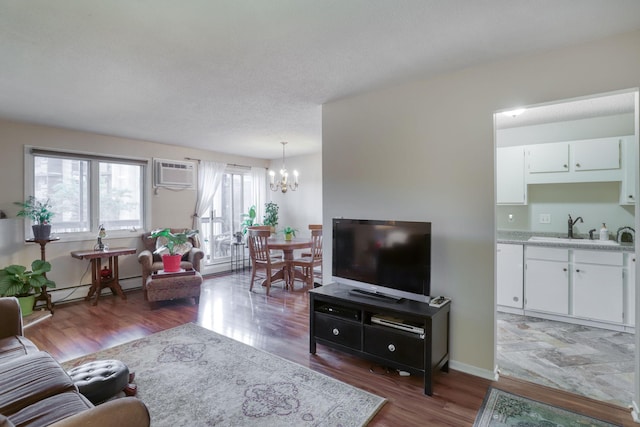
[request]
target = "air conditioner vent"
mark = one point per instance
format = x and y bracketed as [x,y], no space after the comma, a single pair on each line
[175,174]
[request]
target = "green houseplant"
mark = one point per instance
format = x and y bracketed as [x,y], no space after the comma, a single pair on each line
[173,243]
[289,233]
[271,215]
[16,280]
[248,219]
[40,213]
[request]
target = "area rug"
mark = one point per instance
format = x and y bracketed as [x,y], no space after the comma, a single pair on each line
[501,408]
[190,376]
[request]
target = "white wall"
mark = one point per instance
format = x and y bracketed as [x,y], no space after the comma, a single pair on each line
[168,208]
[300,208]
[424,150]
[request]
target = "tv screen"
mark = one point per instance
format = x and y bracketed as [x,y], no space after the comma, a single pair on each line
[392,257]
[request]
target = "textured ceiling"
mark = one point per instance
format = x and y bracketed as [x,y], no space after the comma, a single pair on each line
[239,76]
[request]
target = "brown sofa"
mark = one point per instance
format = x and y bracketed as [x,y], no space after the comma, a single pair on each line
[36,391]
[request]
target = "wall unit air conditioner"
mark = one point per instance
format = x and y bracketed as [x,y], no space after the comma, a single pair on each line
[174,174]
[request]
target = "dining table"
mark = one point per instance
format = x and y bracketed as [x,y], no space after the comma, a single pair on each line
[288,273]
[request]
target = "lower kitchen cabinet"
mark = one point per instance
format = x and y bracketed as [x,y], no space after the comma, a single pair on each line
[630,298]
[547,286]
[580,284]
[598,286]
[509,275]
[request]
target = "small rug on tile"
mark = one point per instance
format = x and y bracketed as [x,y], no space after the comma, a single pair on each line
[501,409]
[191,376]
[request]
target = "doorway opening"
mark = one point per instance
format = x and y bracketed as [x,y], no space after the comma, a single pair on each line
[566,306]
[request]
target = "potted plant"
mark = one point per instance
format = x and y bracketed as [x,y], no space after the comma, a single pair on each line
[248,219]
[289,233]
[271,215]
[172,243]
[40,213]
[16,280]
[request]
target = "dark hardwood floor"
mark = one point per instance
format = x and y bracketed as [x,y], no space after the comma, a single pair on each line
[279,325]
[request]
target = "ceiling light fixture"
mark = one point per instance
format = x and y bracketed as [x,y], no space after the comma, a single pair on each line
[283,185]
[514,113]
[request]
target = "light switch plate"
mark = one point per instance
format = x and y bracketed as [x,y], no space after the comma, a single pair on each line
[545,218]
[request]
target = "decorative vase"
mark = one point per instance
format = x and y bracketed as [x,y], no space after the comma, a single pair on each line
[41,231]
[26,304]
[171,263]
[288,236]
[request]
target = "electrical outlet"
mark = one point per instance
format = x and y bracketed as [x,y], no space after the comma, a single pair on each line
[510,218]
[545,218]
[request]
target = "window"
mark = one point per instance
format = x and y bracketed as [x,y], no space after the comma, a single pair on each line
[232,199]
[86,191]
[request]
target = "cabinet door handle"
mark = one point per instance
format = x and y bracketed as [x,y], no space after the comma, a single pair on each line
[392,347]
[577,270]
[336,331]
[565,166]
[564,269]
[577,165]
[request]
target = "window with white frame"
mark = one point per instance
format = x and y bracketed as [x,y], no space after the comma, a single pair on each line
[231,200]
[86,191]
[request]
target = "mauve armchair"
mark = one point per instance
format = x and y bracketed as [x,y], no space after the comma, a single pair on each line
[153,262]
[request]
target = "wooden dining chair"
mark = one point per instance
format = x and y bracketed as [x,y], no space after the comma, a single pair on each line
[308,263]
[260,257]
[311,227]
[274,254]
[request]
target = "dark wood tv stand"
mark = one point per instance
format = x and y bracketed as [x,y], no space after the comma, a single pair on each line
[342,320]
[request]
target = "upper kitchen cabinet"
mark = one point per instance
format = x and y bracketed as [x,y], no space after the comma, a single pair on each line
[592,160]
[546,158]
[628,189]
[596,154]
[511,188]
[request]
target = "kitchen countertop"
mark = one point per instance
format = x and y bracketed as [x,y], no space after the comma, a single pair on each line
[522,238]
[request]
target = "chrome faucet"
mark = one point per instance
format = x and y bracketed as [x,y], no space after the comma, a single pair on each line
[571,223]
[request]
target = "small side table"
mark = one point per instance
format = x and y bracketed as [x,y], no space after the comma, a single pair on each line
[237,256]
[96,280]
[44,295]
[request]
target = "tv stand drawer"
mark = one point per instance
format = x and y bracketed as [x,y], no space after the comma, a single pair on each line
[390,344]
[339,331]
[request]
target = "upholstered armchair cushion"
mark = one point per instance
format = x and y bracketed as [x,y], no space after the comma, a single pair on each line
[151,262]
[11,323]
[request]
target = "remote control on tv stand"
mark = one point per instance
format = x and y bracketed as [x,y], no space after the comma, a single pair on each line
[438,302]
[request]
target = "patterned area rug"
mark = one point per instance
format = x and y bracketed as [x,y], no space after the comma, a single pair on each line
[190,376]
[501,408]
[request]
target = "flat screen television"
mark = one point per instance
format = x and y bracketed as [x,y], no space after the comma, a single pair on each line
[383,258]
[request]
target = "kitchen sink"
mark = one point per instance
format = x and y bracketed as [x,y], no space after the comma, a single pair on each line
[577,242]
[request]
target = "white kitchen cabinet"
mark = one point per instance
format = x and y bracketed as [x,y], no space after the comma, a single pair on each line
[550,157]
[598,285]
[628,189]
[510,278]
[592,160]
[630,297]
[596,154]
[547,280]
[511,189]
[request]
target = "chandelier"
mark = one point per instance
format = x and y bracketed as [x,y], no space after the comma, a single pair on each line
[283,184]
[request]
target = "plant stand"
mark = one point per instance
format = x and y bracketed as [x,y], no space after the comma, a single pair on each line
[44,295]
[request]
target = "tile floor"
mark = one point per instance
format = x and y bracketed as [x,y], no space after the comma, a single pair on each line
[593,362]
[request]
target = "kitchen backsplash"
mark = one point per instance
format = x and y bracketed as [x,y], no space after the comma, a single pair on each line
[594,202]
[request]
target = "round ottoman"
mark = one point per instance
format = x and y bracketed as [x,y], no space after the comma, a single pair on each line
[101,379]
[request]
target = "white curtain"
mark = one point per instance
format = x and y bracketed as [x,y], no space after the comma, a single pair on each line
[259,180]
[209,177]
